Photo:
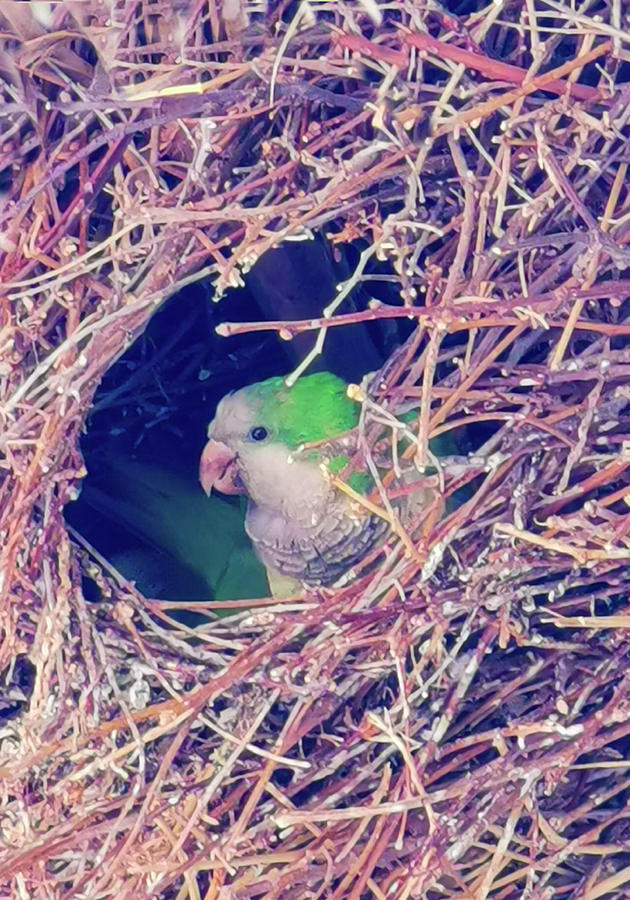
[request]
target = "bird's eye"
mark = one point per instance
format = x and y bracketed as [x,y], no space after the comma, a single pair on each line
[258,433]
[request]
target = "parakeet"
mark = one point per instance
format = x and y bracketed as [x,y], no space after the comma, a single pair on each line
[301,525]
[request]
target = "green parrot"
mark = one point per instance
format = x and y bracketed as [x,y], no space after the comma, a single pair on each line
[261,445]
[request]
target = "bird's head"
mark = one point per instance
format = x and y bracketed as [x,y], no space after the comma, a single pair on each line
[256,430]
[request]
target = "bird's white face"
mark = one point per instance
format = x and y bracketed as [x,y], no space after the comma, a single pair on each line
[243,456]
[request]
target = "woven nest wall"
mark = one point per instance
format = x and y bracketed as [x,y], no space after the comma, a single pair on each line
[455,723]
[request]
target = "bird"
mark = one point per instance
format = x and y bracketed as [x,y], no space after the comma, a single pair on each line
[281,446]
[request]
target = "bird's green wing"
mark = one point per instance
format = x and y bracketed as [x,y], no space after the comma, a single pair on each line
[201,535]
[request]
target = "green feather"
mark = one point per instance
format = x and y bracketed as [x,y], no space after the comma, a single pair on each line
[316,408]
[361,482]
[202,537]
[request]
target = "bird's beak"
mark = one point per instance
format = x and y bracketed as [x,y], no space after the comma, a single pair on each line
[218,469]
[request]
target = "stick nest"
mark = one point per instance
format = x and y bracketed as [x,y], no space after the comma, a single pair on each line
[456,722]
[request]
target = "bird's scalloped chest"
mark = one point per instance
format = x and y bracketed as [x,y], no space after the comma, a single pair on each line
[319,554]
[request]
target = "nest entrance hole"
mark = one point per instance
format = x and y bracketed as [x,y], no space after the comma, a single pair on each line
[148,424]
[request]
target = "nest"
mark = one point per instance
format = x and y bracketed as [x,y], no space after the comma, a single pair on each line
[454,723]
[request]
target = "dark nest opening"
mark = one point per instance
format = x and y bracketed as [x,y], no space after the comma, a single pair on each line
[141,507]
[438,194]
